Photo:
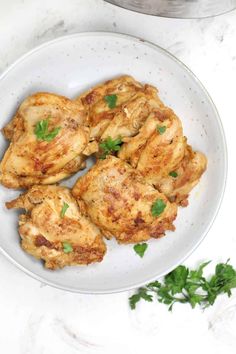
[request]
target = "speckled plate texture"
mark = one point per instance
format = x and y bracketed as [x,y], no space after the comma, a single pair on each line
[70,65]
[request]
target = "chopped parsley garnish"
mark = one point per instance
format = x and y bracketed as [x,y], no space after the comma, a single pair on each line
[141,294]
[111,100]
[189,286]
[158,207]
[173,174]
[67,248]
[109,146]
[161,129]
[64,209]
[42,133]
[140,248]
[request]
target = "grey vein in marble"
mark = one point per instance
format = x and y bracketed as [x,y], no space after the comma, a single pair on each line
[72,338]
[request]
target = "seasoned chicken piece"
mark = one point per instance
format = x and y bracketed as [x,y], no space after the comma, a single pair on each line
[121,204]
[47,137]
[161,154]
[54,230]
[184,178]
[94,102]
[158,147]
[131,115]
[118,107]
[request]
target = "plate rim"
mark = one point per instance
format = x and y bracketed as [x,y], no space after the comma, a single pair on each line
[224,146]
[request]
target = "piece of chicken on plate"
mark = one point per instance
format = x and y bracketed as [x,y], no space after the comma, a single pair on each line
[47,137]
[158,147]
[54,230]
[122,204]
[179,183]
[161,154]
[117,108]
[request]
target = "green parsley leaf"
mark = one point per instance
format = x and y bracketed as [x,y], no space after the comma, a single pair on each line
[173,174]
[140,248]
[111,100]
[155,284]
[109,146]
[42,133]
[64,209]
[176,280]
[161,129]
[196,275]
[221,282]
[189,286]
[67,247]
[158,207]
[142,294]
[52,134]
[133,300]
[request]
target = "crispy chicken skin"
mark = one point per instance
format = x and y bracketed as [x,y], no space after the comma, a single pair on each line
[134,103]
[119,202]
[160,149]
[30,161]
[43,230]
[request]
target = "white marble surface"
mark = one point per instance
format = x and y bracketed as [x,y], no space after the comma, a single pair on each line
[37,319]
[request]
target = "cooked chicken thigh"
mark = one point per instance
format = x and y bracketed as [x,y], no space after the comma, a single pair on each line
[47,138]
[54,230]
[121,204]
[118,107]
[158,147]
[184,178]
[160,152]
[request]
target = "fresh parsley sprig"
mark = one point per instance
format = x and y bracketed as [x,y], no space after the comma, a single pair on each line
[140,248]
[111,100]
[173,174]
[67,247]
[161,129]
[189,286]
[64,209]
[42,133]
[158,207]
[109,146]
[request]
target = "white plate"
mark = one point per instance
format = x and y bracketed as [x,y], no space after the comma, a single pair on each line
[70,65]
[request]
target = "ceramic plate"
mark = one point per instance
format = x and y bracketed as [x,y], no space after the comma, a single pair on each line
[70,65]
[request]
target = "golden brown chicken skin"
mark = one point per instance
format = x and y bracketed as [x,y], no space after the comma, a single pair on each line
[133,103]
[47,137]
[120,203]
[54,230]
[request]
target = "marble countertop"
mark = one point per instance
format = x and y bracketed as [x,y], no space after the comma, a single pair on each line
[38,319]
